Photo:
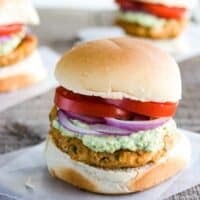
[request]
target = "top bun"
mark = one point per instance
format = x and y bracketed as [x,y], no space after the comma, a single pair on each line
[176,3]
[120,67]
[17,11]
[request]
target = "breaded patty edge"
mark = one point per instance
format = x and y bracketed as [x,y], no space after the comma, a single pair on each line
[119,159]
[171,29]
[27,46]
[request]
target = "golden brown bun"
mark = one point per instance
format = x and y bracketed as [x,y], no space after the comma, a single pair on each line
[27,46]
[22,74]
[118,68]
[171,29]
[119,181]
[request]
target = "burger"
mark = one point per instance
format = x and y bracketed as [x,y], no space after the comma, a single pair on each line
[112,130]
[153,18]
[20,64]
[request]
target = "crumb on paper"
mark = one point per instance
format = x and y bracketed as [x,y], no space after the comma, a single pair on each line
[28,183]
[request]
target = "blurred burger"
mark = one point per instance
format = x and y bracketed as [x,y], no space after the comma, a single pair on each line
[111,129]
[157,19]
[20,64]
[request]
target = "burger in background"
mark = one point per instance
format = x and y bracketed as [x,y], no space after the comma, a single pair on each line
[20,64]
[156,19]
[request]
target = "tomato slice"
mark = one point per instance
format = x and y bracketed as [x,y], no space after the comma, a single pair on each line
[155,9]
[165,11]
[99,107]
[85,105]
[10,29]
[151,109]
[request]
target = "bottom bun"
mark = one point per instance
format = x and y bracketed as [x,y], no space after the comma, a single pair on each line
[119,181]
[23,74]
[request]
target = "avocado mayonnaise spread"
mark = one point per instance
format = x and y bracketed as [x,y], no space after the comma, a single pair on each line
[151,140]
[143,19]
[10,44]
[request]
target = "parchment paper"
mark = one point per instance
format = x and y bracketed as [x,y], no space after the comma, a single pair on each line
[23,174]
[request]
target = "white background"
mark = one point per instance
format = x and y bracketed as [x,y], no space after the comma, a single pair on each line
[75,4]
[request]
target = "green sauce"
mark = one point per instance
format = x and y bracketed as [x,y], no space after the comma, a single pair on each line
[143,19]
[9,45]
[151,140]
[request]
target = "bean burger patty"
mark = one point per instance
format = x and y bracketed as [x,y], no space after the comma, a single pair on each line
[75,148]
[27,46]
[171,29]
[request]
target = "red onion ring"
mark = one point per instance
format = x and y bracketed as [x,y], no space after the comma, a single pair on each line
[5,38]
[96,124]
[136,125]
[110,130]
[98,129]
[111,126]
[65,122]
[89,120]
